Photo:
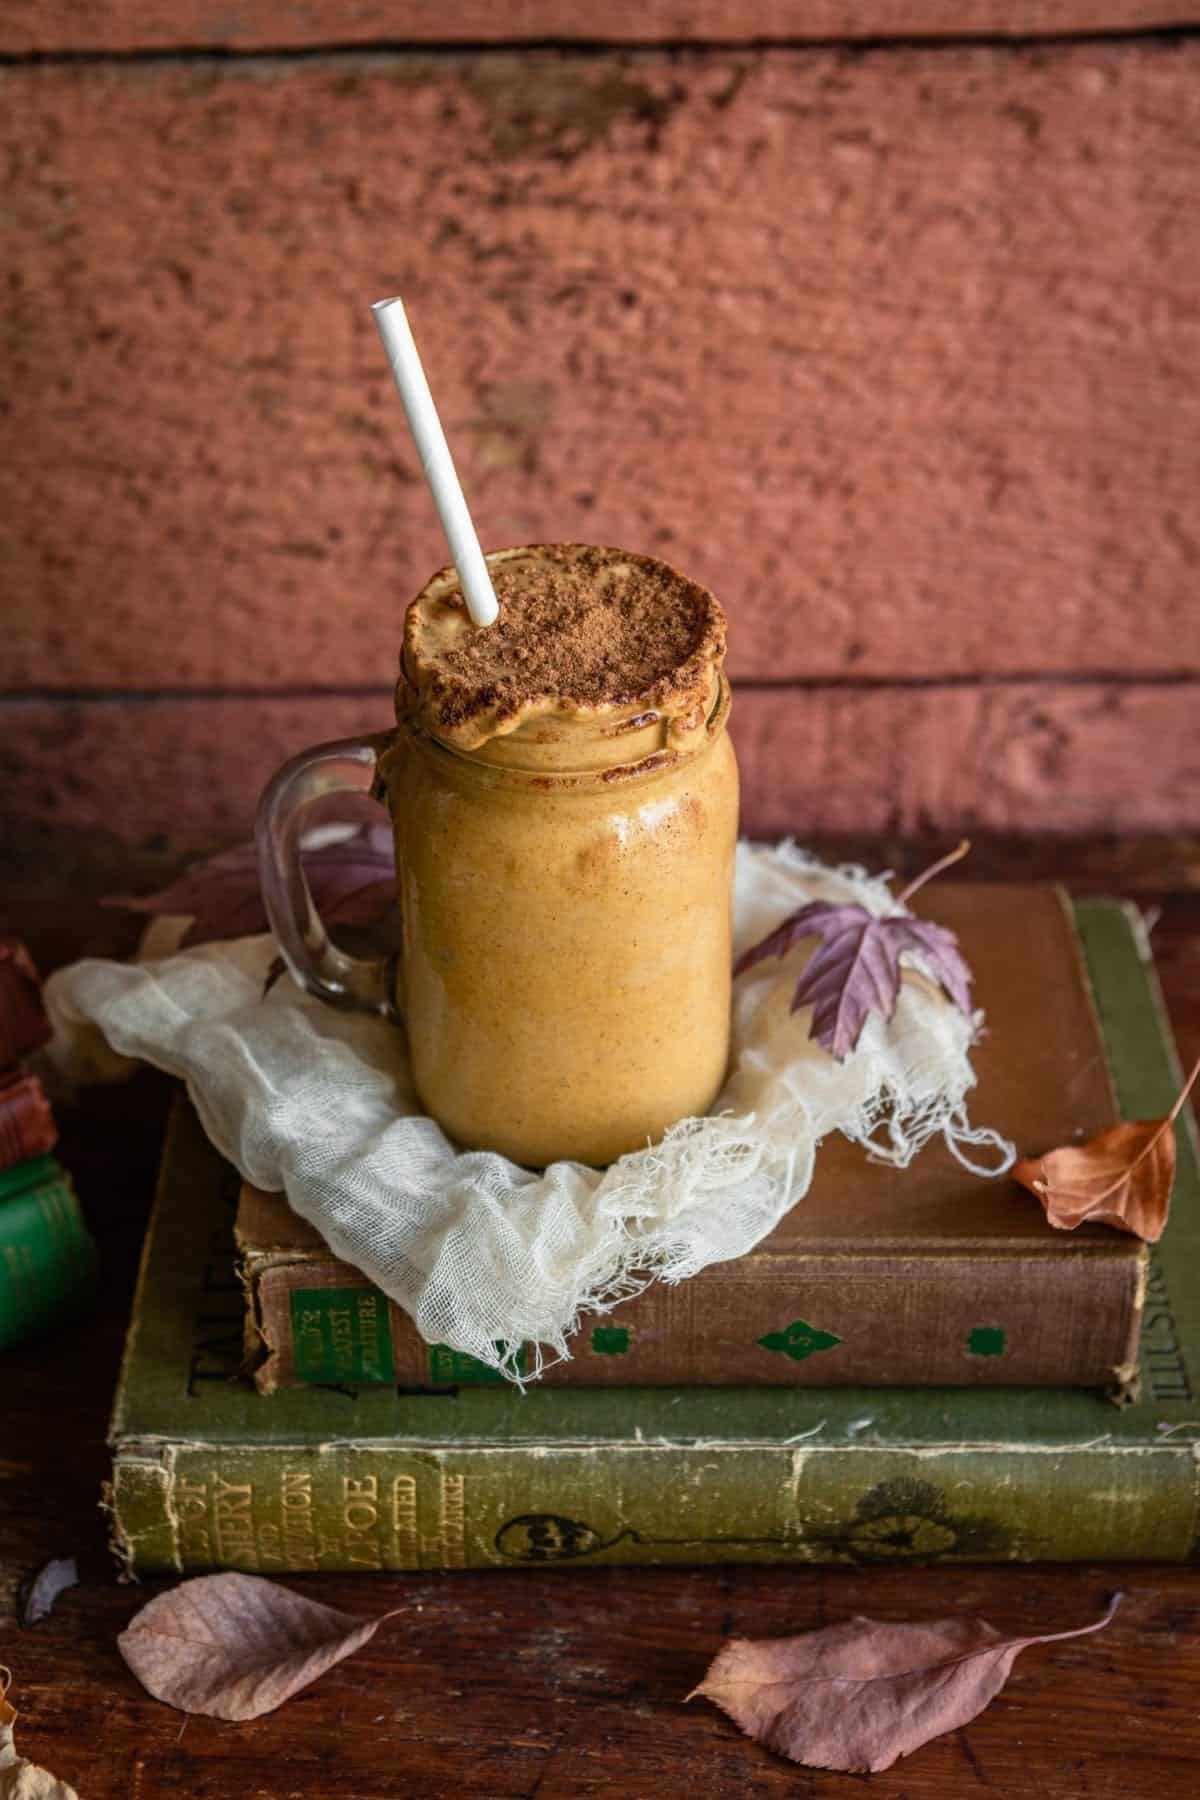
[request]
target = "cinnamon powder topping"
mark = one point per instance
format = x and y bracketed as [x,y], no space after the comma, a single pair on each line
[581,630]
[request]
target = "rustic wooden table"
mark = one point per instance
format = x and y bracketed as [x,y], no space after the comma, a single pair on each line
[555,1684]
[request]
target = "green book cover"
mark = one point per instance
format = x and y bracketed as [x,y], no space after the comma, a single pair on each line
[47,1257]
[208,1474]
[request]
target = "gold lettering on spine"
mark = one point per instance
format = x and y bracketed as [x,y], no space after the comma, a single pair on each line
[368,1334]
[404,1521]
[454,1521]
[233,1523]
[341,1336]
[191,1512]
[360,1521]
[299,1531]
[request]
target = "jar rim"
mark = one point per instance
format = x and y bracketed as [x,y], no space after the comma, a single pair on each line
[671,750]
[469,692]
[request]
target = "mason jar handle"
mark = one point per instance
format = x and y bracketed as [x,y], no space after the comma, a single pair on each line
[315,963]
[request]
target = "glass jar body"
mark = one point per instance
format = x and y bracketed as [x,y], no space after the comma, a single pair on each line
[565,971]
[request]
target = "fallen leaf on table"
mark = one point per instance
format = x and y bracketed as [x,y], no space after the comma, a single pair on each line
[237,1646]
[19,1778]
[856,968]
[1122,1178]
[24,1026]
[51,1580]
[352,877]
[860,1695]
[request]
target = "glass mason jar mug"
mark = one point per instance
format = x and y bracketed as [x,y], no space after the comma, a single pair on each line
[566,896]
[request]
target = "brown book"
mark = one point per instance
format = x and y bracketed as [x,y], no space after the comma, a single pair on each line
[925,1276]
[27,1125]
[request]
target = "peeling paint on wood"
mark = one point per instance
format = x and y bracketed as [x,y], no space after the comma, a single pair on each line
[900,355]
[174,776]
[114,25]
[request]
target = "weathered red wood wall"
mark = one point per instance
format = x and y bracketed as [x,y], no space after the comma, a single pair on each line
[897,345]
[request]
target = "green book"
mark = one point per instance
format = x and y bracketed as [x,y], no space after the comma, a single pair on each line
[207,1474]
[47,1257]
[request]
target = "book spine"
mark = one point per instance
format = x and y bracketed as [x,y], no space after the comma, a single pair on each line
[27,1126]
[1001,1319]
[47,1257]
[186,1508]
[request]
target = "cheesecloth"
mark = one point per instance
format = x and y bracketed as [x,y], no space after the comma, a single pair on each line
[485,1256]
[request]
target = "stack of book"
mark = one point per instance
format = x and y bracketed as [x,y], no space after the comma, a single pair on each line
[914,1364]
[47,1257]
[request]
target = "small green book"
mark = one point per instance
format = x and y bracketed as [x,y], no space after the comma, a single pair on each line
[47,1257]
[209,1475]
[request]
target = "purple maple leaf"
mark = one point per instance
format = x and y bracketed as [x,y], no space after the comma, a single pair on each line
[353,882]
[856,968]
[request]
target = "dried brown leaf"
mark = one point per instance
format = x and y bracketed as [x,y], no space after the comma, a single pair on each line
[19,1778]
[860,1695]
[237,1646]
[1121,1178]
[1103,1183]
[24,1026]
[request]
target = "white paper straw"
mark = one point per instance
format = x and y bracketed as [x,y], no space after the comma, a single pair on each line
[436,460]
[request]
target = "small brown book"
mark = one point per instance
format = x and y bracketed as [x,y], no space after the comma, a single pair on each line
[880,1277]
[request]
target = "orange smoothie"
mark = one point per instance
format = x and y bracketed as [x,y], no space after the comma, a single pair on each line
[564,796]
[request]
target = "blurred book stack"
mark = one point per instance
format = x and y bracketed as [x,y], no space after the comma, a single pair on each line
[47,1257]
[913,1365]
